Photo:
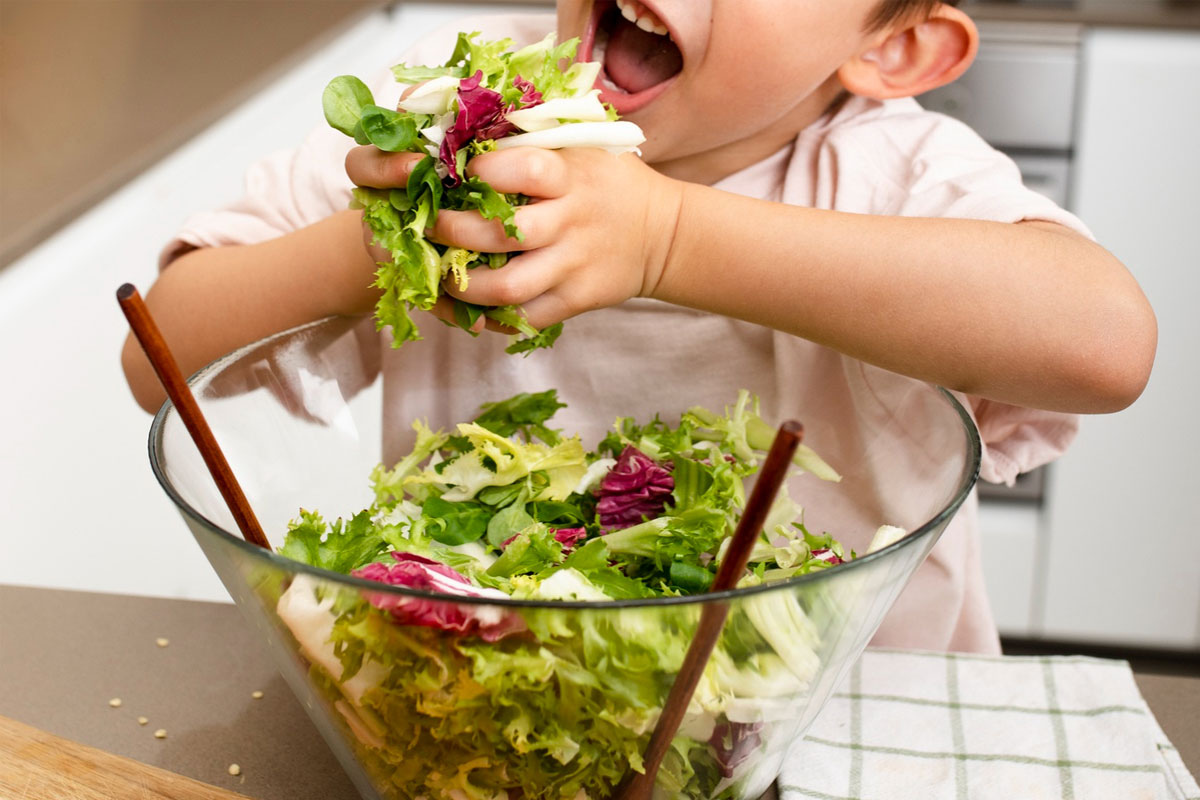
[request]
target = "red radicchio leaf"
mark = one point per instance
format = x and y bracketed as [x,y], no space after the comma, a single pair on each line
[481,115]
[733,743]
[569,537]
[530,96]
[636,488]
[418,572]
[825,554]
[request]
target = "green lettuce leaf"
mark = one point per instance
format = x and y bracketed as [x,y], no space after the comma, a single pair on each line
[388,484]
[340,547]
[455,523]
[525,413]
[343,101]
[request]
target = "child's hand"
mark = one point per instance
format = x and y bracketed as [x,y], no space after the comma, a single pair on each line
[597,231]
[376,169]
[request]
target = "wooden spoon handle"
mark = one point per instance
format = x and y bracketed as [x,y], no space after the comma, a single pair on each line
[152,342]
[640,785]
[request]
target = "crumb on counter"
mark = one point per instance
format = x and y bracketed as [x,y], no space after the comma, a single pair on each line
[115,702]
[161,733]
[162,641]
[142,720]
[235,770]
[256,695]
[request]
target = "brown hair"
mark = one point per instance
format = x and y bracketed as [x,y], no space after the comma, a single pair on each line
[889,11]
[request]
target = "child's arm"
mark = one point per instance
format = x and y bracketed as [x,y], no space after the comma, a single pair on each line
[214,300]
[1030,313]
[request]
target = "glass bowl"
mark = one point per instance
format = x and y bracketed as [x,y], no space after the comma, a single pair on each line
[566,707]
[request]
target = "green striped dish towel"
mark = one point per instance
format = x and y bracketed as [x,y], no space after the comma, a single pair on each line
[909,725]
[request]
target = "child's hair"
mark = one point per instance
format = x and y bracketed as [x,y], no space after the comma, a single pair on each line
[888,11]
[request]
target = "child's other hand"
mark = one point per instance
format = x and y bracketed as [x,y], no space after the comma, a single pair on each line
[376,169]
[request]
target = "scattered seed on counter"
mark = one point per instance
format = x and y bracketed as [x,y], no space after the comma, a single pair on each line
[235,770]
[256,695]
[142,720]
[115,702]
[162,642]
[161,733]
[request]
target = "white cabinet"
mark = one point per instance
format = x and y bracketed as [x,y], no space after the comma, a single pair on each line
[1123,509]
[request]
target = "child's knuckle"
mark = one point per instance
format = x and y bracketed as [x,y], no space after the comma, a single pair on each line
[539,169]
[450,227]
[398,168]
[507,290]
[353,165]
[529,225]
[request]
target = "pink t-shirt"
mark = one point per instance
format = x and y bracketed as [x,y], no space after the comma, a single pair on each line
[646,357]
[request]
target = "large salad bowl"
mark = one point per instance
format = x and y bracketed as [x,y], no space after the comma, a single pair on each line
[565,708]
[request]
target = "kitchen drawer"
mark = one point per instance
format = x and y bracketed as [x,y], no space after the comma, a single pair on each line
[1049,175]
[1020,92]
[1009,539]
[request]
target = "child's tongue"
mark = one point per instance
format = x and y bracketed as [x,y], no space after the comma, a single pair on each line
[636,59]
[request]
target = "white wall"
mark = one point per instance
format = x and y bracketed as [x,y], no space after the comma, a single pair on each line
[78,503]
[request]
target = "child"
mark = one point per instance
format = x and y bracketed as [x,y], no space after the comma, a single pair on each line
[794,217]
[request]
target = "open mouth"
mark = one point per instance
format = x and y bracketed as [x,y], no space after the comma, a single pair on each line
[639,58]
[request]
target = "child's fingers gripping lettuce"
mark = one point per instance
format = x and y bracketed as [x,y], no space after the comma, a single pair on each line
[485,95]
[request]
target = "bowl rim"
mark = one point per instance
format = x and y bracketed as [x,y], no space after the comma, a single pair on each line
[276,560]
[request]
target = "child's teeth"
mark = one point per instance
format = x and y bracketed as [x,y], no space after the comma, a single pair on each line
[645,24]
[641,16]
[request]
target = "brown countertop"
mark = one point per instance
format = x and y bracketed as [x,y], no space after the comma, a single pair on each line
[65,654]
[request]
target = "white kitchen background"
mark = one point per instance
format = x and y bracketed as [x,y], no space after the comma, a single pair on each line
[1110,554]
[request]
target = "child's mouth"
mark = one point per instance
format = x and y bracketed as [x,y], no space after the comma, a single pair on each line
[638,55]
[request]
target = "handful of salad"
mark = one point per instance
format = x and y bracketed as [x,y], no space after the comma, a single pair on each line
[458,697]
[485,97]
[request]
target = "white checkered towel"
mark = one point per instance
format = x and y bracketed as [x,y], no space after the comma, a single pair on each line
[927,726]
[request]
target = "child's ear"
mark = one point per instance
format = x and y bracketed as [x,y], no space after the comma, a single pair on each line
[914,58]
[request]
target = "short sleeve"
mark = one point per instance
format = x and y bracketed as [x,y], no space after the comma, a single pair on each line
[1017,439]
[955,173]
[895,158]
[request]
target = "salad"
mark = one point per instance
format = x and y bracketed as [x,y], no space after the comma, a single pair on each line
[474,700]
[485,97]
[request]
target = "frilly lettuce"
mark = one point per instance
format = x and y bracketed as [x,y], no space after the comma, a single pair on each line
[475,700]
[499,461]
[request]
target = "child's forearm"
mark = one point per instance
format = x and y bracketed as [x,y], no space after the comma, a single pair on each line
[1031,313]
[211,301]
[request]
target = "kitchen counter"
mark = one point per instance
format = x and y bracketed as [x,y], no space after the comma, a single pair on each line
[65,655]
